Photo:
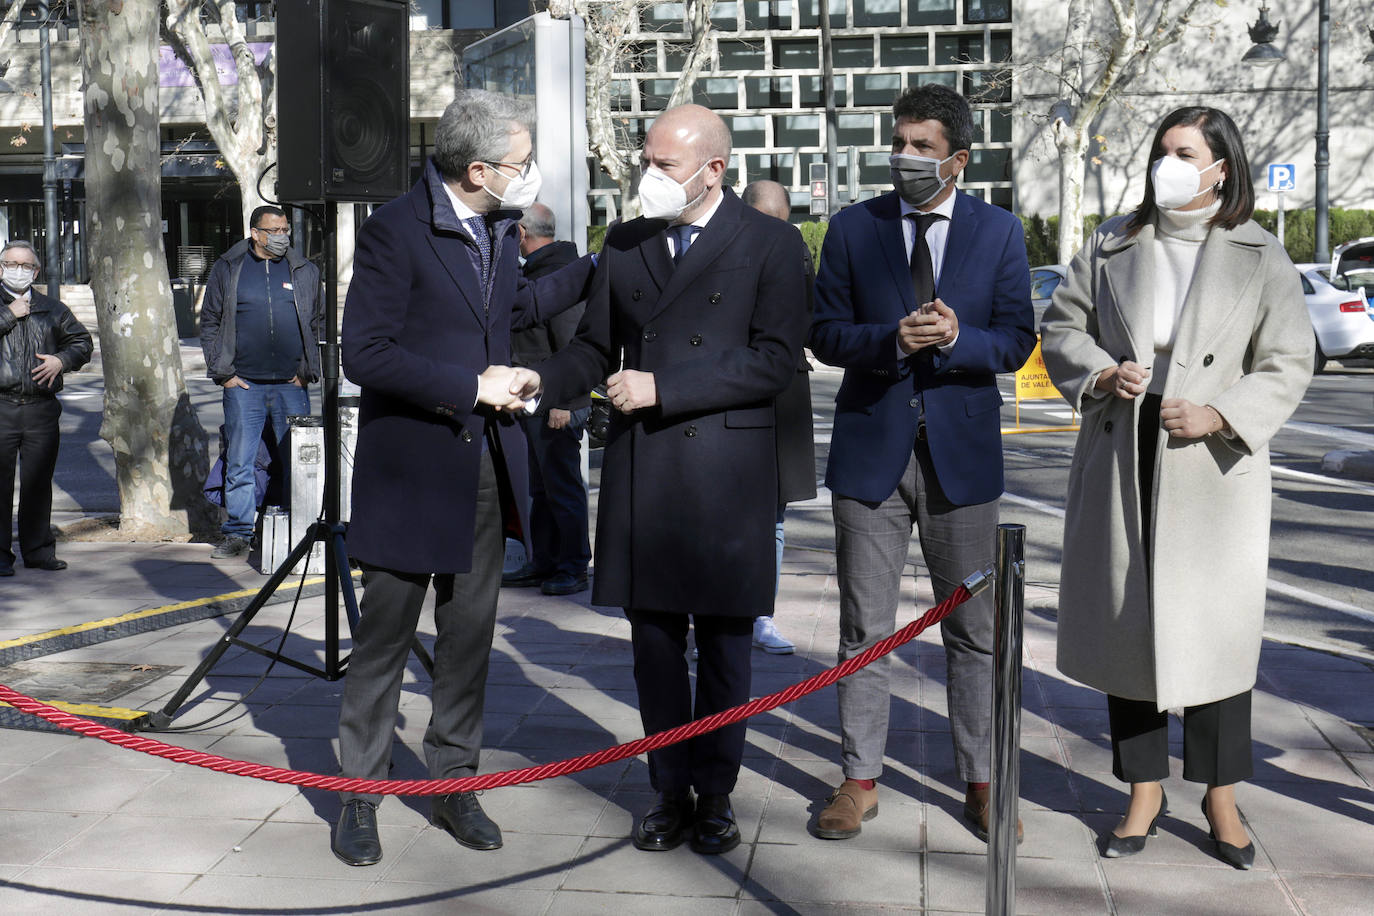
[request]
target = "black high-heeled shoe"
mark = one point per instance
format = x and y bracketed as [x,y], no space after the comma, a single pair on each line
[1241,857]
[1120,846]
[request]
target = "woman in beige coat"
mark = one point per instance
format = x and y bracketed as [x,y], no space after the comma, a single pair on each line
[1182,316]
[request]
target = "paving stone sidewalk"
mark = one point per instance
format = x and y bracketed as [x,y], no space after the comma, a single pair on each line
[89,828]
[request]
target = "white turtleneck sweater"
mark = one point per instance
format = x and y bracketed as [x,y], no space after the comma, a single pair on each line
[1179,235]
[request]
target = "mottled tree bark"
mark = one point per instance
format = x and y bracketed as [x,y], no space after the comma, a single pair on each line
[158,442]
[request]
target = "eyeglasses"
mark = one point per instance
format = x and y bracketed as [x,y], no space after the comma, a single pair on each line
[15,265]
[285,230]
[524,167]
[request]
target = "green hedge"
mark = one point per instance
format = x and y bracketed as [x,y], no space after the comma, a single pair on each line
[1042,235]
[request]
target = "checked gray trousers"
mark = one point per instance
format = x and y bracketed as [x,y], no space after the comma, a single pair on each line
[872,541]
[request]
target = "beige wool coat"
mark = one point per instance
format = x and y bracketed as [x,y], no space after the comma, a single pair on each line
[1188,629]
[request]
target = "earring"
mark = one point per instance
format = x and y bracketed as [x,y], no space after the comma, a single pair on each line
[1221,184]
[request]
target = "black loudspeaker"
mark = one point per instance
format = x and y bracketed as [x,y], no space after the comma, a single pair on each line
[343,100]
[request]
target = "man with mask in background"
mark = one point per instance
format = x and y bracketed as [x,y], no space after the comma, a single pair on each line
[260,330]
[39,340]
[922,296]
[697,311]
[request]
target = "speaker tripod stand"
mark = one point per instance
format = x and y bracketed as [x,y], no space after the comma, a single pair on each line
[329,530]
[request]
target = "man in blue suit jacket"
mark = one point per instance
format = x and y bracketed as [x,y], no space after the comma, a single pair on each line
[435,293]
[923,296]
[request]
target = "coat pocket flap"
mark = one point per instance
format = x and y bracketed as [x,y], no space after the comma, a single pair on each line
[748,417]
[982,400]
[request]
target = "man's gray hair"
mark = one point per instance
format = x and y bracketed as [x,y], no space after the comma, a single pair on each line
[538,221]
[476,127]
[27,246]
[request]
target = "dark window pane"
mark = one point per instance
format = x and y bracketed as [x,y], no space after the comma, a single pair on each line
[797,130]
[741,55]
[768,14]
[875,169]
[774,167]
[768,92]
[855,129]
[977,114]
[1000,197]
[663,17]
[931,12]
[877,88]
[948,79]
[877,12]
[725,15]
[810,17]
[958,49]
[1001,48]
[987,10]
[797,54]
[852,52]
[717,92]
[988,165]
[811,91]
[999,126]
[653,94]
[620,95]
[746,131]
[987,86]
[905,51]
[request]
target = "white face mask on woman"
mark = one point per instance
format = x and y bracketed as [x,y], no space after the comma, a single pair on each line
[660,197]
[1177,183]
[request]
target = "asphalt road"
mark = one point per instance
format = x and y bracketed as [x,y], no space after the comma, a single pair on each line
[1321,577]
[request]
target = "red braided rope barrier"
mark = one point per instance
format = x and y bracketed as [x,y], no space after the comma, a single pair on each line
[489,780]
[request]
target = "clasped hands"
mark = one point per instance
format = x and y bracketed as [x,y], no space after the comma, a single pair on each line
[1180,417]
[512,388]
[934,324]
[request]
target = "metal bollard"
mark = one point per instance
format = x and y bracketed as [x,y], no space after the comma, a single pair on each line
[1009,602]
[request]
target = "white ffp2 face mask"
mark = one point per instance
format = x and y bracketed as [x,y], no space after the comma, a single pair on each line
[660,197]
[521,191]
[1177,183]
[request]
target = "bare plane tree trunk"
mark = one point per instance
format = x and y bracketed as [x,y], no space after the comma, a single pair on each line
[244,124]
[159,444]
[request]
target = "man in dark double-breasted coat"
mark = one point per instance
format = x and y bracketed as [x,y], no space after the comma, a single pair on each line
[698,311]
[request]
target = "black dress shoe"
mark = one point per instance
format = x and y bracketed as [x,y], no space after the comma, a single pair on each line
[1241,857]
[667,823]
[462,816]
[715,830]
[355,836]
[1118,847]
[564,584]
[524,577]
[51,564]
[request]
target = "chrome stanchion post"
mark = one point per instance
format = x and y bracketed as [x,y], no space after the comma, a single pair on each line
[1009,605]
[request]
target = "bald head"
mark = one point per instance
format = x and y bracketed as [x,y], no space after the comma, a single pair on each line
[768,197]
[699,128]
[689,145]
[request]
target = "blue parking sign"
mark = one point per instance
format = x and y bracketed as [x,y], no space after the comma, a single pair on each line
[1282,177]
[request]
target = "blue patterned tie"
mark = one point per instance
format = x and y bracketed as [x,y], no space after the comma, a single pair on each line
[684,241]
[477,225]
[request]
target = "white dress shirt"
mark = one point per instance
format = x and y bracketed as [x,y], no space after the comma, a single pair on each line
[937,236]
[700,224]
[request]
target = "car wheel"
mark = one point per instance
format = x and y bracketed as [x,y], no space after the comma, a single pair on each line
[1318,357]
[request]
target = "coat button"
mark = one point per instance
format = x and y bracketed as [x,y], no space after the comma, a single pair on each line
[467,435]
[1207,360]
[1107,427]
[690,432]
[914,402]
[637,295]
[714,298]
[650,334]
[696,340]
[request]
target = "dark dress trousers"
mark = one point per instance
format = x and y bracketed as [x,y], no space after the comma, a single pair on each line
[433,474]
[689,488]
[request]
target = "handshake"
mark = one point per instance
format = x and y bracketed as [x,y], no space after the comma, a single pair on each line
[512,388]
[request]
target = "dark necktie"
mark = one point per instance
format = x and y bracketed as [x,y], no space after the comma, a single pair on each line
[922,269]
[477,225]
[684,241]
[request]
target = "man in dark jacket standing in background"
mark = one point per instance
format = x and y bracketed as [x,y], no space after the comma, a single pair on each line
[260,330]
[558,495]
[39,340]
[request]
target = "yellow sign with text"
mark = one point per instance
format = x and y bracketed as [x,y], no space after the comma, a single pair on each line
[1033,379]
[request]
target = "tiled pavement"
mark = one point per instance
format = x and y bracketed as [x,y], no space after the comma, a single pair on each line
[89,828]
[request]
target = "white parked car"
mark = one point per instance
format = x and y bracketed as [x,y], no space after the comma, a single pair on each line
[1338,301]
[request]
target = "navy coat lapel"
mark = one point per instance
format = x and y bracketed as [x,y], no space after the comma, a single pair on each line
[654,251]
[446,238]
[887,226]
[962,231]
[709,244]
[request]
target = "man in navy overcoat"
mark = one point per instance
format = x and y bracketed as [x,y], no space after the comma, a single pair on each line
[436,290]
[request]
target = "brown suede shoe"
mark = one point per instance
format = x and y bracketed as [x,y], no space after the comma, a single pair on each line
[976,813]
[850,805]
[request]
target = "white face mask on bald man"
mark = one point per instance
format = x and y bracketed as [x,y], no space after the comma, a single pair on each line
[660,197]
